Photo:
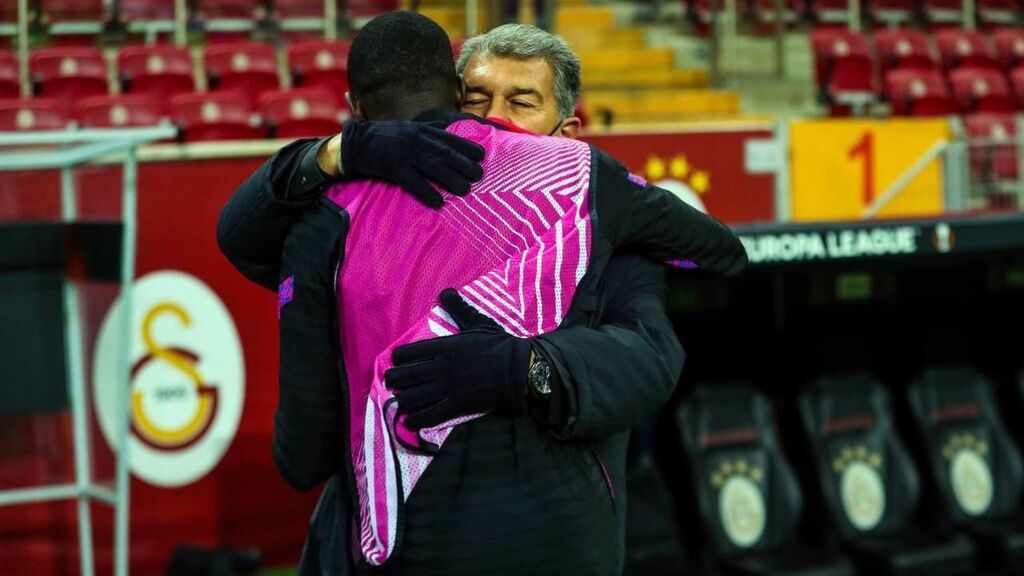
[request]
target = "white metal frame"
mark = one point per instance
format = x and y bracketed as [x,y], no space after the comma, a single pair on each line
[81,147]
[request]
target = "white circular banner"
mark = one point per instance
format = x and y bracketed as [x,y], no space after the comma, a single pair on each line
[187,378]
[863,495]
[972,482]
[742,510]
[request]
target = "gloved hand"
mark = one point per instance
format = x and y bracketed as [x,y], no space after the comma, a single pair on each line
[409,154]
[480,369]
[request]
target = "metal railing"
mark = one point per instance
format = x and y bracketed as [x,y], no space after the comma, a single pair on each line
[78,148]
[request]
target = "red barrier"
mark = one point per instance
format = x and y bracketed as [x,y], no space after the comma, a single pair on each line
[238,499]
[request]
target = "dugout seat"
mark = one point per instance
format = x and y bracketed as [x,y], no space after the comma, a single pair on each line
[975,466]
[320,64]
[748,498]
[213,116]
[300,112]
[981,90]
[249,68]
[157,71]
[964,48]
[35,114]
[869,482]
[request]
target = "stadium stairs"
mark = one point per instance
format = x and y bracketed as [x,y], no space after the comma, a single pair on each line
[627,78]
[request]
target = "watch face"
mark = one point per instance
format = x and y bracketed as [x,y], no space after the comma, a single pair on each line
[540,378]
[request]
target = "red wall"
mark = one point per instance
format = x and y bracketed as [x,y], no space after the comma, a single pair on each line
[242,502]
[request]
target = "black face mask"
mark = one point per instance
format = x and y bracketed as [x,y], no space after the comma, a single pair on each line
[557,126]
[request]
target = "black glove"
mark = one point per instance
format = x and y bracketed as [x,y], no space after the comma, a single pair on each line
[478,370]
[408,154]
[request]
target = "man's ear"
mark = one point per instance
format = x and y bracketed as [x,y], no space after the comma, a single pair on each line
[460,93]
[570,127]
[355,107]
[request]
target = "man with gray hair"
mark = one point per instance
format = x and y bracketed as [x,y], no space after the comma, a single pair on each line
[524,76]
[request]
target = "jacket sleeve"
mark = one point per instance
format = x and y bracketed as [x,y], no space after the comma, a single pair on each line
[611,377]
[654,222]
[308,425]
[255,221]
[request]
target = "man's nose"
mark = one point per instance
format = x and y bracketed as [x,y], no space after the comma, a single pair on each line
[500,109]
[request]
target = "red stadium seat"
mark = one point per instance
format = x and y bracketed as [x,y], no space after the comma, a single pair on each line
[299,8]
[998,11]
[73,10]
[68,73]
[118,111]
[227,8]
[830,44]
[993,148]
[158,71]
[300,112]
[964,48]
[843,65]
[981,90]
[143,10]
[213,116]
[249,68]
[918,93]
[1017,82]
[37,114]
[944,11]
[10,87]
[904,49]
[8,11]
[892,12]
[369,8]
[1010,47]
[321,64]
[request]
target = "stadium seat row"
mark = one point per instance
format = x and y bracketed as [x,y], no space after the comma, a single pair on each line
[162,72]
[98,11]
[943,499]
[889,12]
[199,116]
[968,74]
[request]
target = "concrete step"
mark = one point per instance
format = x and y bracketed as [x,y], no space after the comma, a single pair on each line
[589,39]
[627,58]
[579,17]
[661,105]
[652,79]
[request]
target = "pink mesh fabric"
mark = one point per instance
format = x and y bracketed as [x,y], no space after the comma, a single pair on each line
[516,248]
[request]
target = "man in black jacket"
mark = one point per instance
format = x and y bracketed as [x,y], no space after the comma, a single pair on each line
[615,369]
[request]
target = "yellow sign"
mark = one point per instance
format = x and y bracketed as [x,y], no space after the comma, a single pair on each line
[840,167]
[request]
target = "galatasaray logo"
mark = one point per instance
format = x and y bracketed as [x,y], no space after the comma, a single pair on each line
[150,431]
[186,380]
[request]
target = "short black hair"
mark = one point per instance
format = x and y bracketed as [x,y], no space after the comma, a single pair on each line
[401,64]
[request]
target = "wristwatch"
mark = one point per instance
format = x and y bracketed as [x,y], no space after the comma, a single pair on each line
[539,377]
